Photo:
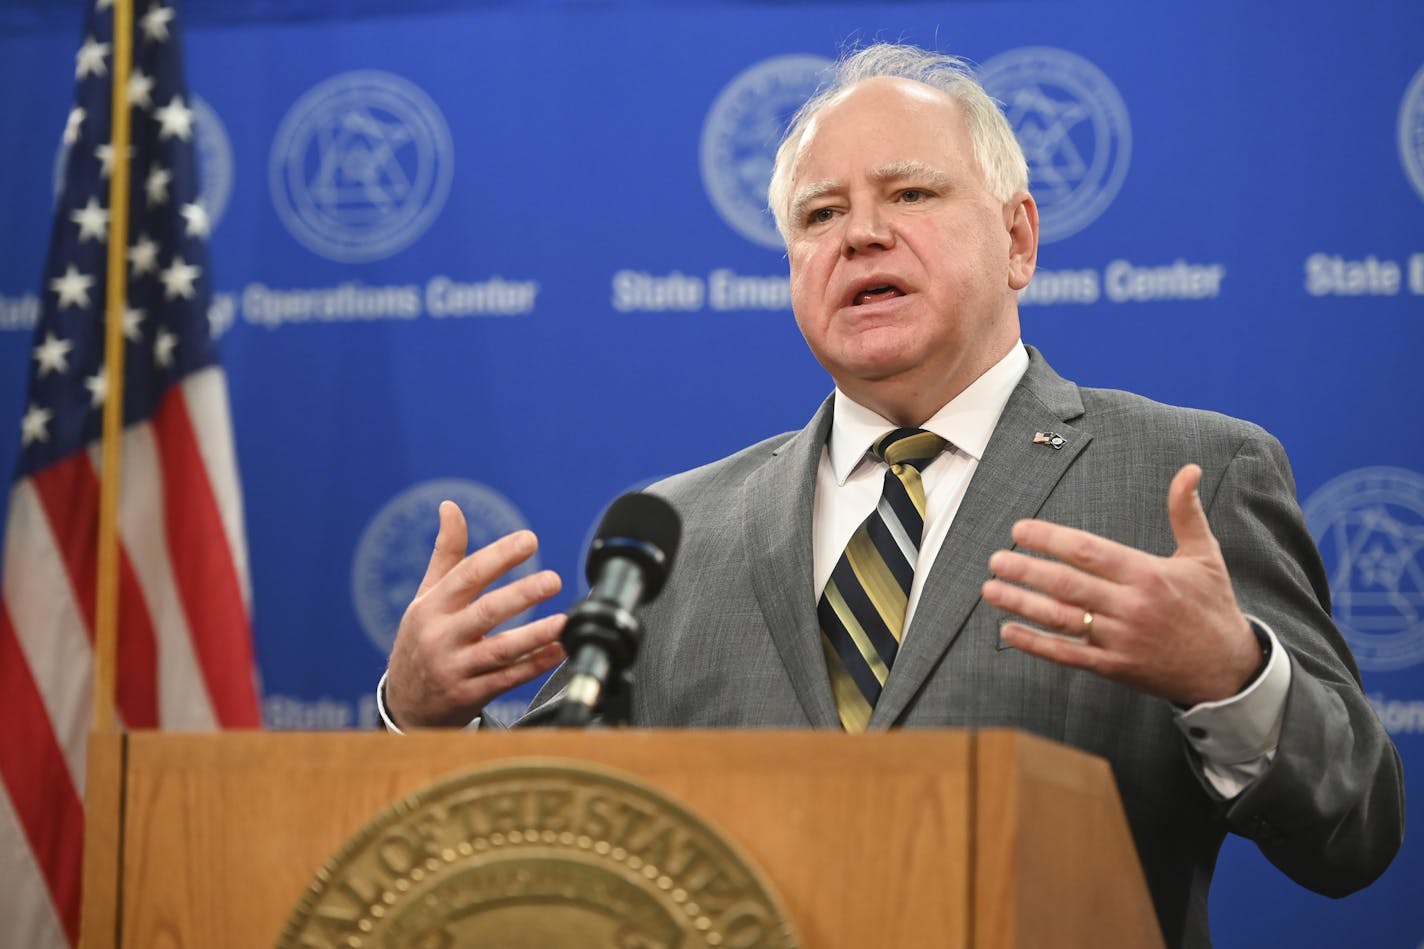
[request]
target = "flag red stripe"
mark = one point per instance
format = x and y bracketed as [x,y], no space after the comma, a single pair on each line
[69,495]
[207,581]
[38,782]
[137,686]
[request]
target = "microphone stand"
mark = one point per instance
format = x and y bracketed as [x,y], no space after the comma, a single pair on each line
[618,699]
[627,565]
[607,636]
[614,707]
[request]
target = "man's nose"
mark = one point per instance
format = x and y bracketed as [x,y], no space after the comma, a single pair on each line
[867,228]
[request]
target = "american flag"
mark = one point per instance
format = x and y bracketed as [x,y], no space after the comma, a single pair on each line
[185,652]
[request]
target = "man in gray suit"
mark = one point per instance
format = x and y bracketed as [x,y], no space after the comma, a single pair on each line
[1129,578]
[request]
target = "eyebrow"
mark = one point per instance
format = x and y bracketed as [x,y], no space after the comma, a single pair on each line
[809,193]
[909,168]
[892,171]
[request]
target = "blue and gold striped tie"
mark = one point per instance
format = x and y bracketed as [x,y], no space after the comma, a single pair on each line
[862,610]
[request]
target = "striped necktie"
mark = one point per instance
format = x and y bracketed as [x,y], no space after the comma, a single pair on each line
[862,610]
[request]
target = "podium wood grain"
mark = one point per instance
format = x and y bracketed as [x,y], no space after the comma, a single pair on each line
[869,840]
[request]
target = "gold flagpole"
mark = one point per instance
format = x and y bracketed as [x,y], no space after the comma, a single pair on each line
[106,633]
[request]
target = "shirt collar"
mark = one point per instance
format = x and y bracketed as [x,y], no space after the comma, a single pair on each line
[966,421]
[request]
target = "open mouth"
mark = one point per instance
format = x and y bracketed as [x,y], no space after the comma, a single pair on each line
[876,294]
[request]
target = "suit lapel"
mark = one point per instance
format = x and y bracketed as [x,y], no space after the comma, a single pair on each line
[777,521]
[1013,480]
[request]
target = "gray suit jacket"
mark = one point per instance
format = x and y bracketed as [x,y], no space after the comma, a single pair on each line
[733,639]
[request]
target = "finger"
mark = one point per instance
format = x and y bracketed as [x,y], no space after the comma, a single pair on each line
[1185,511]
[499,605]
[511,646]
[1068,652]
[469,578]
[450,544]
[491,686]
[1054,578]
[1088,552]
[1045,611]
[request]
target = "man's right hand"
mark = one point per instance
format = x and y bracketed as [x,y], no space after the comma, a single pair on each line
[445,666]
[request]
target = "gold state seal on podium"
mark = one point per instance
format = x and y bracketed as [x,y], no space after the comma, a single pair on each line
[539,853]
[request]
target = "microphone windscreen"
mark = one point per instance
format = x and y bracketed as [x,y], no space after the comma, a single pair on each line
[633,523]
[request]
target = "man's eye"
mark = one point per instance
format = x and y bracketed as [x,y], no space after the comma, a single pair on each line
[912,195]
[820,216]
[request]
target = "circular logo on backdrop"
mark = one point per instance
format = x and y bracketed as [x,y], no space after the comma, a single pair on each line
[361,166]
[1411,131]
[214,152]
[1074,130]
[1369,524]
[395,547]
[740,135]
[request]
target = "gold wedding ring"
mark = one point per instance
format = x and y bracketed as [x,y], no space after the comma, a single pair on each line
[1087,624]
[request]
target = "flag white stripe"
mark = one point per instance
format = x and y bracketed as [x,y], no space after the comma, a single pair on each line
[183,700]
[30,918]
[48,625]
[205,392]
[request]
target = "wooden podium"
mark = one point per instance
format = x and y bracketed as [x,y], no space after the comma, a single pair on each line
[903,839]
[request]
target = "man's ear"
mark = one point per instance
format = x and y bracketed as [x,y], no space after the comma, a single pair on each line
[1021,218]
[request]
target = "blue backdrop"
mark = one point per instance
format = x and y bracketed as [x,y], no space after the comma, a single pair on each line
[442,228]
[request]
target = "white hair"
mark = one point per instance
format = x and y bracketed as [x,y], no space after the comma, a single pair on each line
[996,151]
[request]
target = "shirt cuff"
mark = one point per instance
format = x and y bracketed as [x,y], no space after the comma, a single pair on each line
[386,719]
[1236,737]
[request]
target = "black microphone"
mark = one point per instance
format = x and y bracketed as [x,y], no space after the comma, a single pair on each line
[627,565]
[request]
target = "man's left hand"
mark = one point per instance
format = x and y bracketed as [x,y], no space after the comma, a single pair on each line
[1167,626]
